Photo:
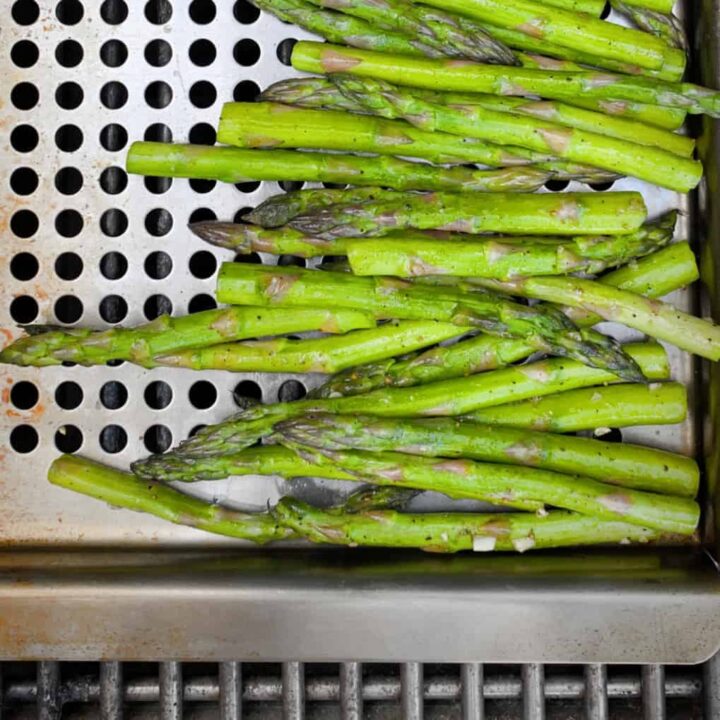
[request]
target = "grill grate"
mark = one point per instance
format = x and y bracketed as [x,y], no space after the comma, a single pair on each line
[351,691]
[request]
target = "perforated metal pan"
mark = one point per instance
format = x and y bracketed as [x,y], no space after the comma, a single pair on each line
[85,244]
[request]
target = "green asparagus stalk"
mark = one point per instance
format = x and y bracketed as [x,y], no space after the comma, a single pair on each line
[317,92]
[346,30]
[672,69]
[629,466]
[165,335]
[645,162]
[597,252]
[455,532]
[654,276]
[453,36]
[235,165]
[615,406]
[473,213]
[564,28]
[244,239]
[564,114]
[272,125]
[124,490]
[318,355]
[652,317]
[458,396]
[270,460]
[662,116]
[489,482]
[547,330]
[280,209]
[500,80]
[493,258]
[665,26]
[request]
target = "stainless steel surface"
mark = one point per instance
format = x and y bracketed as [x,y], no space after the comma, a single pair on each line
[596,697]
[279,605]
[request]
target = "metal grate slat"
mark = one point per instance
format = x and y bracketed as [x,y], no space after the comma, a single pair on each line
[473,701]
[596,699]
[171,691]
[351,700]
[111,691]
[230,690]
[48,691]
[293,690]
[411,682]
[533,682]
[653,683]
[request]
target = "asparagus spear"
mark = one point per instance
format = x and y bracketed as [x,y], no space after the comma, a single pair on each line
[652,317]
[500,80]
[446,33]
[547,330]
[672,70]
[655,276]
[272,125]
[645,162]
[597,251]
[455,532]
[317,92]
[562,214]
[662,116]
[235,165]
[571,116]
[615,406]
[318,355]
[282,461]
[346,30]
[564,28]
[166,334]
[122,489]
[458,396]
[271,460]
[494,258]
[630,466]
[313,92]
[665,26]
[278,210]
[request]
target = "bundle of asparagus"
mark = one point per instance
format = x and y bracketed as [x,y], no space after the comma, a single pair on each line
[434,258]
